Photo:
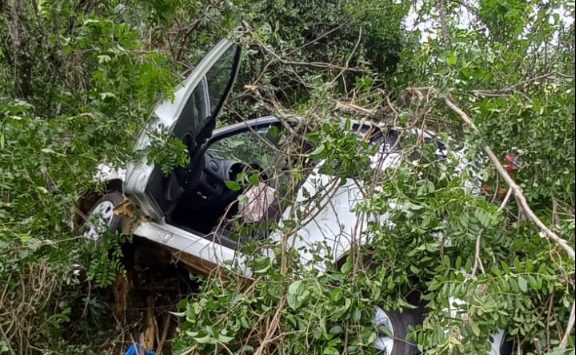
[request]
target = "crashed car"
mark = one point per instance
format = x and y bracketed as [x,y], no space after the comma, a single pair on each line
[189,210]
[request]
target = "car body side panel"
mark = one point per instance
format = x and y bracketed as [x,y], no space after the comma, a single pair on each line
[207,253]
[329,227]
[106,173]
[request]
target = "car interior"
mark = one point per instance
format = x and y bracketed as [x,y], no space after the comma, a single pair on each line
[212,185]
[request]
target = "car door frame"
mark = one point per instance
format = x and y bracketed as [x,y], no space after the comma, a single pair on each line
[204,251]
[238,128]
[140,175]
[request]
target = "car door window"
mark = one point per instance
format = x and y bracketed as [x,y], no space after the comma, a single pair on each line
[255,147]
[246,147]
[218,78]
[208,96]
[196,111]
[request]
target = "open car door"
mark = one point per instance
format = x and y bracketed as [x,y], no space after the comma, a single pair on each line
[191,116]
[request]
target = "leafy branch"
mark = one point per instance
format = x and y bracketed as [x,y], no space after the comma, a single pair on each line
[523,203]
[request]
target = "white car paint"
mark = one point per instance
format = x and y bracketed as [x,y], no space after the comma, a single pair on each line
[192,244]
[106,173]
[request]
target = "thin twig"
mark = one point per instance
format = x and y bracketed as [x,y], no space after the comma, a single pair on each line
[512,88]
[477,260]
[315,39]
[353,108]
[272,329]
[324,65]
[506,199]
[347,64]
[548,322]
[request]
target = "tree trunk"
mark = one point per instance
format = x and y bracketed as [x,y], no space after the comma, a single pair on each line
[14,14]
[444,23]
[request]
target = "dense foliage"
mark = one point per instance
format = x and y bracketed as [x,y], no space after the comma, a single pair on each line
[79,81]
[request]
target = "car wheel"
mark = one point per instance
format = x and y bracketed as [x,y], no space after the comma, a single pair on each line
[101,218]
[500,345]
[393,330]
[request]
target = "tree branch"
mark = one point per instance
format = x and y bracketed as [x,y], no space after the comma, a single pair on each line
[477,259]
[516,189]
[569,328]
[323,65]
[521,199]
[506,199]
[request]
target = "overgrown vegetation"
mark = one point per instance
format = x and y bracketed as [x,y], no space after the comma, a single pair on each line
[80,79]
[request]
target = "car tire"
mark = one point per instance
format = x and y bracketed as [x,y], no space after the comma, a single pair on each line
[100,218]
[500,345]
[400,323]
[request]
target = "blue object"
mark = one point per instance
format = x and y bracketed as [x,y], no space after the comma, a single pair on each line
[136,349]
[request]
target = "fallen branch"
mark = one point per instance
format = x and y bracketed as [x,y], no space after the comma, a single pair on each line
[324,65]
[523,203]
[514,88]
[514,187]
[273,327]
[351,108]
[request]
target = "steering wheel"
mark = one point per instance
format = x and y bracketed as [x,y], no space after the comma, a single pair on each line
[206,183]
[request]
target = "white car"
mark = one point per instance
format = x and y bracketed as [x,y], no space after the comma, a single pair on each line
[192,209]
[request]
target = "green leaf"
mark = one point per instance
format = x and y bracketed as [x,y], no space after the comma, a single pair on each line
[347,266]
[253,179]
[451,59]
[232,185]
[207,339]
[405,304]
[523,284]
[318,150]
[4,347]
[336,330]
[296,294]
[224,338]
[475,328]
[104,59]
[293,302]
[106,95]
[295,288]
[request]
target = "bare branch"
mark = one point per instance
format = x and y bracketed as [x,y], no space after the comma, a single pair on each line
[324,65]
[569,327]
[316,39]
[506,199]
[349,107]
[507,90]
